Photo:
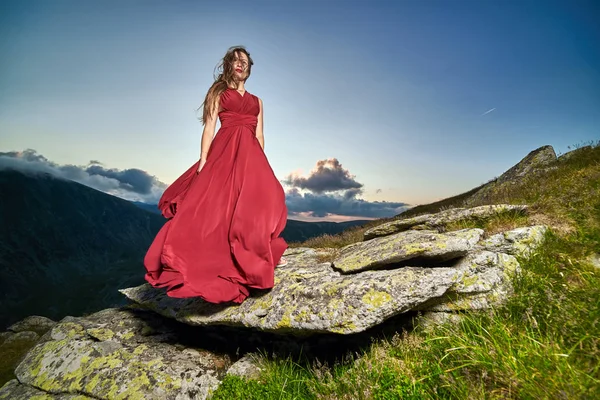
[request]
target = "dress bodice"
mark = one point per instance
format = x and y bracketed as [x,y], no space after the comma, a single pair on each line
[238,110]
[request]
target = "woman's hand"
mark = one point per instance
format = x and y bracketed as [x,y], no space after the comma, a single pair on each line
[201,165]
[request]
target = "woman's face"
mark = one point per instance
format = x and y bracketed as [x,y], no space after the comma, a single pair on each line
[240,66]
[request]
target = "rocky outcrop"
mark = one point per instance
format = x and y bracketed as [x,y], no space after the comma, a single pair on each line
[368,282]
[114,354]
[535,162]
[440,221]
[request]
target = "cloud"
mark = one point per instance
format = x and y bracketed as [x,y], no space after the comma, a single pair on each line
[322,205]
[489,111]
[130,184]
[331,190]
[328,176]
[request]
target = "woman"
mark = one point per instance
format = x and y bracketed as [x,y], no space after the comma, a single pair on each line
[226,211]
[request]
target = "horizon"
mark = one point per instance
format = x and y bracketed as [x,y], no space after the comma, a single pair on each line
[370,107]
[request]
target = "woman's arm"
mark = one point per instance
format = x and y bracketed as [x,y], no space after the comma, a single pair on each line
[259,126]
[208,134]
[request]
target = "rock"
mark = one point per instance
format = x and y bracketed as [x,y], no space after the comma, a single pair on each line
[34,323]
[13,390]
[4,336]
[12,349]
[594,259]
[440,220]
[536,161]
[319,299]
[485,282]
[307,256]
[424,245]
[245,367]
[104,355]
[370,281]
[24,336]
[431,319]
[311,300]
[518,242]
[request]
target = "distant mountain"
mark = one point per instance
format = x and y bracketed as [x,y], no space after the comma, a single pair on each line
[295,231]
[65,248]
[153,208]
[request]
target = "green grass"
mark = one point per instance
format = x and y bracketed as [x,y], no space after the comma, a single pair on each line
[500,222]
[543,344]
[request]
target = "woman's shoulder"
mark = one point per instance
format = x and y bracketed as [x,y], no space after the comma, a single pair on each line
[256,97]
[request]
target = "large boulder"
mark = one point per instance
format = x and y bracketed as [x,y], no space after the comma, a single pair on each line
[316,299]
[114,354]
[367,283]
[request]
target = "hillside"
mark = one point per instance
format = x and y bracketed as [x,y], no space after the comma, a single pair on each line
[65,247]
[543,343]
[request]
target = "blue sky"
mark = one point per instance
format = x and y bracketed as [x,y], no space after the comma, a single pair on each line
[415,100]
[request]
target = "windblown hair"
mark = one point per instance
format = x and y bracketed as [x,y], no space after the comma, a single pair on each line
[224,79]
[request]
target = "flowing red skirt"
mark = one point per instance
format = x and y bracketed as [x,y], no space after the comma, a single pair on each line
[223,235]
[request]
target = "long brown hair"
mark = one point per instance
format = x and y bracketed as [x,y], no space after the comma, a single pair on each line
[224,79]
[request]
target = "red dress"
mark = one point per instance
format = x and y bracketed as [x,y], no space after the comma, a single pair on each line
[223,235]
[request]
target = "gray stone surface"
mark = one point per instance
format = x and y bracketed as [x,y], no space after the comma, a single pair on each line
[380,252]
[33,323]
[245,367]
[114,354]
[517,242]
[311,300]
[440,220]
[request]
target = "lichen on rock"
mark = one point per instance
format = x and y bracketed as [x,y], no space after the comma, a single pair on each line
[404,246]
[440,220]
[104,356]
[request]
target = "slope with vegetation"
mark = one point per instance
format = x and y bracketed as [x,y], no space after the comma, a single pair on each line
[544,343]
[65,248]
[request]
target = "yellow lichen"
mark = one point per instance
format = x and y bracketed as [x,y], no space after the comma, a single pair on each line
[140,349]
[101,333]
[285,321]
[118,375]
[126,335]
[376,298]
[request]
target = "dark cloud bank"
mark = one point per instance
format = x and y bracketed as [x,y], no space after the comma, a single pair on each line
[130,184]
[328,190]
